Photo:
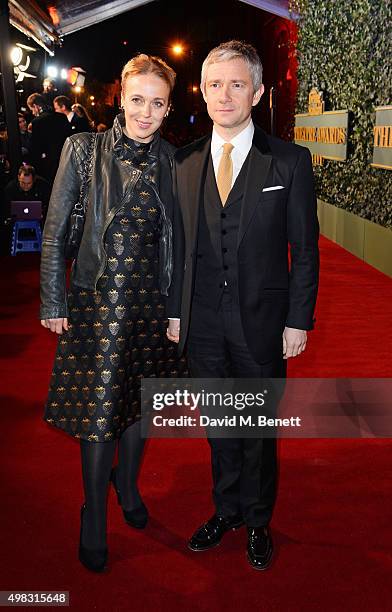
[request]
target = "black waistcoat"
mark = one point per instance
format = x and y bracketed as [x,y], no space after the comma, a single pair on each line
[216,263]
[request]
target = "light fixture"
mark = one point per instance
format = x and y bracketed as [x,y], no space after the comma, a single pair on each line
[52,72]
[16,55]
[64,73]
[177,49]
[20,57]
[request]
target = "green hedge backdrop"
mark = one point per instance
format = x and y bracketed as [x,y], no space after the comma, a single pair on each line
[345,50]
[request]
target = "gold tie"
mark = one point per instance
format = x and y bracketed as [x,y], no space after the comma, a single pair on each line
[225,172]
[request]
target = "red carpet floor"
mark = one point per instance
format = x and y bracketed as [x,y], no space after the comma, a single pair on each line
[332,524]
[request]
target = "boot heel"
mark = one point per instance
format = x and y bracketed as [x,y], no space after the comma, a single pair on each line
[136,518]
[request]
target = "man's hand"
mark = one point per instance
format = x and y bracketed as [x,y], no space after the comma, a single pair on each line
[173,330]
[294,342]
[55,325]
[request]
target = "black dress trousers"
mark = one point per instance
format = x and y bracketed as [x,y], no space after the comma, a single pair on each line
[244,471]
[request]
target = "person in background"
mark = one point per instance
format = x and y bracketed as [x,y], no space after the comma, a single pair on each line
[49,92]
[4,163]
[78,124]
[81,112]
[29,187]
[48,133]
[25,137]
[5,226]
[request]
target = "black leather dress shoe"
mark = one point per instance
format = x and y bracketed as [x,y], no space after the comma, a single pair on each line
[211,533]
[136,518]
[259,547]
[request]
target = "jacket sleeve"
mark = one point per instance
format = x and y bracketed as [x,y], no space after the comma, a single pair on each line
[303,233]
[173,302]
[65,194]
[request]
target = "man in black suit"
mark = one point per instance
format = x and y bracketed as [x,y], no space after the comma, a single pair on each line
[243,197]
[63,105]
[48,134]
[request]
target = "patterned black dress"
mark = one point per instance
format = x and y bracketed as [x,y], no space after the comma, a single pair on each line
[117,334]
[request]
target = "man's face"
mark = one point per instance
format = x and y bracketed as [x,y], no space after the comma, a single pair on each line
[145,100]
[229,95]
[59,109]
[48,86]
[26,181]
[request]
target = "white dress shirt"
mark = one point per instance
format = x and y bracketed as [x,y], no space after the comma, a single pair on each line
[242,144]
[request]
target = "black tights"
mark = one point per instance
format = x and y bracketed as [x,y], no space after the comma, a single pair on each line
[97,461]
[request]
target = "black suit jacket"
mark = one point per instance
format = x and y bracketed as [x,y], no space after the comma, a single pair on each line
[272,294]
[79,124]
[49,131]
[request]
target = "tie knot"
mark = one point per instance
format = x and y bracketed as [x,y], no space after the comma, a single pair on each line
[227,148]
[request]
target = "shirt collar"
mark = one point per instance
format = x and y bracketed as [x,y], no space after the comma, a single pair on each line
[243,140]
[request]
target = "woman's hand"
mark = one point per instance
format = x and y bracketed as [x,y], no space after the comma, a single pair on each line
[173,330]
[55,325]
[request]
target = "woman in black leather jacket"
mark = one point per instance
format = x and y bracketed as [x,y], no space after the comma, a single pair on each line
[111,322]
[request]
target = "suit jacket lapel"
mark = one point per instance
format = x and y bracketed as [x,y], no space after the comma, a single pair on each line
[259,165]
[191,187]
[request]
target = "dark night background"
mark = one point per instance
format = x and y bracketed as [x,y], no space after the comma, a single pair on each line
[102,50]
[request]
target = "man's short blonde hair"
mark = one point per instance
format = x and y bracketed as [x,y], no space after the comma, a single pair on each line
[148,64]
[235,49]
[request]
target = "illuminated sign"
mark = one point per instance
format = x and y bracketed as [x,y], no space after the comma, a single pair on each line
[382,144]
[324,133]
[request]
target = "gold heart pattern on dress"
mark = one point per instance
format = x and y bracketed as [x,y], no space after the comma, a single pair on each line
[113,296]
[114,327]
[103,312]
[117,333]
[129,263]
[120,311]
[112,263]
[106,376]
[119,279]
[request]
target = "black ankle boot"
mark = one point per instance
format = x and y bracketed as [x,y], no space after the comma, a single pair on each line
[136,518]
[93,559]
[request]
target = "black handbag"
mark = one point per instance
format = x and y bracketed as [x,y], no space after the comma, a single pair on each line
[78,214]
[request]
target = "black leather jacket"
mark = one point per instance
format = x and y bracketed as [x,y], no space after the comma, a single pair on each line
[111,185]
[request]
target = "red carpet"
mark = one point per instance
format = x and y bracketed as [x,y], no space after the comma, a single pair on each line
[331,526]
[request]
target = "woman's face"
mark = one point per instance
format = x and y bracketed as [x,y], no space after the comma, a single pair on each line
[145,100]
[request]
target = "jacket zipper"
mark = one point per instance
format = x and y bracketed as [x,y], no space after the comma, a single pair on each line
[135,176]
[164,214]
